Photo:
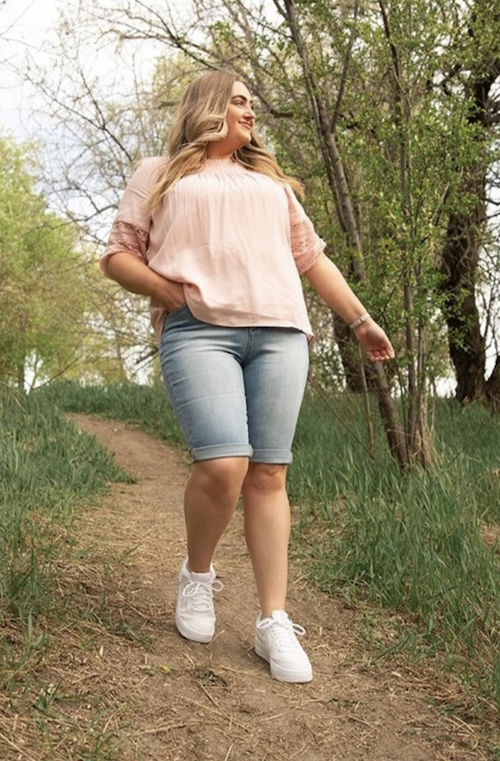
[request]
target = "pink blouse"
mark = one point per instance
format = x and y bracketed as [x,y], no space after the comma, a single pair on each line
[236,239]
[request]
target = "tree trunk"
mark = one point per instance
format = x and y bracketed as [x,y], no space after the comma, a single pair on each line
[347,218]
[461,251]
[459,267]
[348,356]
[493,388]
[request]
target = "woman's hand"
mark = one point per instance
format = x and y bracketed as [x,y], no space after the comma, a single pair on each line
[330,284]
[135,276]
[374,341]
[171,294]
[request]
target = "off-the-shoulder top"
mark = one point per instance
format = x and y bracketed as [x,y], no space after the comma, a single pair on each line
[237,239]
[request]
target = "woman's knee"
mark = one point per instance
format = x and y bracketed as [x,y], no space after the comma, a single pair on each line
[265,477]
[222,473]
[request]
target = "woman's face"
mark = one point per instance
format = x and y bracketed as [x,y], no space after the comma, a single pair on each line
[240,116]
[240,120]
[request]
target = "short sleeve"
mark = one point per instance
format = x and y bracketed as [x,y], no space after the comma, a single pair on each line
[306,243]
[130,229]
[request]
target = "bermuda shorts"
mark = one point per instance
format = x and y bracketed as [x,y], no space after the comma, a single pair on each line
[236,391]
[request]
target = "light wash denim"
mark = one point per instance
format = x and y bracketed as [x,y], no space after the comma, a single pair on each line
[236,391]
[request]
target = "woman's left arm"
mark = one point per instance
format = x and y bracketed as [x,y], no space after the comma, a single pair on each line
[330,284]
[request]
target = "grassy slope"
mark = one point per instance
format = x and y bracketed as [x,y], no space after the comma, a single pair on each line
[413,546]
[48,471]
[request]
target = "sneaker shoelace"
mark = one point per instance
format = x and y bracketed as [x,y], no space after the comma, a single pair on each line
[200,593]
[284,632]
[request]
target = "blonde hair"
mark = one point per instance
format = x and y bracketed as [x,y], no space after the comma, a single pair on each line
[201,119]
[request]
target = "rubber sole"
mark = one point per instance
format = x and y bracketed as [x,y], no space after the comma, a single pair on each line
[281,674]
[190,634]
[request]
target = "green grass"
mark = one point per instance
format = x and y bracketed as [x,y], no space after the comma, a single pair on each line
[47,471]
[408,545]
[411,544]
[144,406]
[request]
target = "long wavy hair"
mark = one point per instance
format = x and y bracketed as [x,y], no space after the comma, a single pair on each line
[200,120]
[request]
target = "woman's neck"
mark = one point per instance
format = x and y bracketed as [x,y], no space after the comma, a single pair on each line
[214,153]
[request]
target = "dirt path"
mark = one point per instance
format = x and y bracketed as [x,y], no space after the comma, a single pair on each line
[166,699]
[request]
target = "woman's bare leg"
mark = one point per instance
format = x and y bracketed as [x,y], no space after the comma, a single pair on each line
[267,532]
[210,498]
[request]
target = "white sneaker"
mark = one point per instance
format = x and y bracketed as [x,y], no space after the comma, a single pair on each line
[194,611]
[276,642]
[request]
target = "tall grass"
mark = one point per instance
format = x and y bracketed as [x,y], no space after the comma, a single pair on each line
[145,406]
[413,544]
[47,469]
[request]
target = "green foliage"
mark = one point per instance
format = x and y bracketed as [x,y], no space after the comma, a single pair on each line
[393,80]
[42,299]
[145,406]
[425,546]
[47,470]
[395,85]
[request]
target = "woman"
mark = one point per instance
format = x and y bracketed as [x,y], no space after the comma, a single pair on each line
[215,236]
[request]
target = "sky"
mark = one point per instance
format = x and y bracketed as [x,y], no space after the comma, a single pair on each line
[24,25]
[25,28]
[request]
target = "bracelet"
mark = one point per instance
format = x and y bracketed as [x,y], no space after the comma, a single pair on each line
[359,321]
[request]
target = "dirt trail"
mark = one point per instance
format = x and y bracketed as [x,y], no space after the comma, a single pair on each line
[167,699]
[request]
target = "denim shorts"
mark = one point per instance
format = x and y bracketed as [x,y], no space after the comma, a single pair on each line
[236,391]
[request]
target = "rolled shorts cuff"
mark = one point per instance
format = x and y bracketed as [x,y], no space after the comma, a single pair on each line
[272,456]
[214,451]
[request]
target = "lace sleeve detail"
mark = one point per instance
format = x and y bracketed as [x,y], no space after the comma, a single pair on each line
[128,238]
[306,243]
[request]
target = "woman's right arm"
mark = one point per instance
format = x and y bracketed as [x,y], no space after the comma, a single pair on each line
[135,276]
[125,257]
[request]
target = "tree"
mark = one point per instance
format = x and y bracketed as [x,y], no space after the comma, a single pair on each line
[474,73]
[97,137]
[42,303]
[365,103]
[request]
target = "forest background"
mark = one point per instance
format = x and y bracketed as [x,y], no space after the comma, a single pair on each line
[389,113]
